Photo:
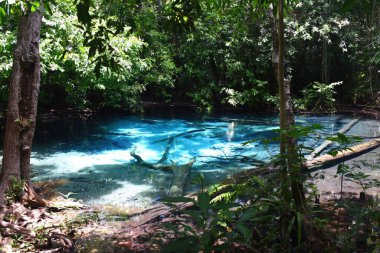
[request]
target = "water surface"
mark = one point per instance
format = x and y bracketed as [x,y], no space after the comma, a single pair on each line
[93,153]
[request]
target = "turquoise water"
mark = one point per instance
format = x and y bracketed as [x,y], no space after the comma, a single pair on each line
[93,153]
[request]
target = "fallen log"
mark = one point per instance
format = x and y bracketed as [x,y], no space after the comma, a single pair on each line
[343,155]
[327,143]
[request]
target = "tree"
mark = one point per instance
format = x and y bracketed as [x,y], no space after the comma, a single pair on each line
[22,102]
[288,145]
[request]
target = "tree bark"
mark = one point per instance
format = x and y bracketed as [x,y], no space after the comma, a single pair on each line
[289,160]
[279,70]
[22,105]
[294,163]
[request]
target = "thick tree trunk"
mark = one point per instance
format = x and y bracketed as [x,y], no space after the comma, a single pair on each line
[22,105]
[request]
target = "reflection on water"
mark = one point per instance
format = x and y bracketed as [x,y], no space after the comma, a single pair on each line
[93,153]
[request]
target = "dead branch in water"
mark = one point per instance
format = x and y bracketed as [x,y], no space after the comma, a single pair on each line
[180,172]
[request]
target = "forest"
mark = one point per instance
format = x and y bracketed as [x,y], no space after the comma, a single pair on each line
[189,126]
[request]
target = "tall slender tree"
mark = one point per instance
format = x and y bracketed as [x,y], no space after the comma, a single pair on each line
[292,186]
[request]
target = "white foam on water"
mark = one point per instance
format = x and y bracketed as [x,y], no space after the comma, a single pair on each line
[73,161]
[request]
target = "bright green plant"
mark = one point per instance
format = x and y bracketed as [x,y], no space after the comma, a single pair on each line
[218,222]
[15,190]
[319,97]
[203,98]
[343,169]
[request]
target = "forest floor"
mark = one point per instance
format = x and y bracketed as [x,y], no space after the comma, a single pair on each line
[329,182]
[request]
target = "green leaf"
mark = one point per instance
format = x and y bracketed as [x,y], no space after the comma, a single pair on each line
[299,228]
[244,230]
[35,6]
[83,12]
[48,8]
[182,244]
[262,219]
[203,202]
[333,152]
[2,15]
[248,214]
[342,169]
[250,142]
[196,216]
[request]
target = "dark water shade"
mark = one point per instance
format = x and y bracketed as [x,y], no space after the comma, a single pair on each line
[92,152]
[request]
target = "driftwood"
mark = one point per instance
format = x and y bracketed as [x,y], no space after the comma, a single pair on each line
[180,172]
[343,155]
[327,143]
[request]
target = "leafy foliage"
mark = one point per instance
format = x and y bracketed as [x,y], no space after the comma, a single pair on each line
[15,190]
[118,54]
[319,97]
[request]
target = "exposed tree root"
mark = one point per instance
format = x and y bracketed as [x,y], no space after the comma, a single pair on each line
[33,225]
[32,199]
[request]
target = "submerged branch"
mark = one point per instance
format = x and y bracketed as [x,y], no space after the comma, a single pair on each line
[180,172]
[183,134]
[156,166]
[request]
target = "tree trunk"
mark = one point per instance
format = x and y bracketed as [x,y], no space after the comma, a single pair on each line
[290,161]
[279,42]
[22,105]
[294,163]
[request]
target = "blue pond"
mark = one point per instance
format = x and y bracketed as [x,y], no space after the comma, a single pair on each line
[93,153]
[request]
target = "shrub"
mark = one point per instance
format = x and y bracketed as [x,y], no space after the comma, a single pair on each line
[318,97]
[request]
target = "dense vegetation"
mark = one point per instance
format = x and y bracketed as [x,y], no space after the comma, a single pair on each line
[119,55]
[222,58]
